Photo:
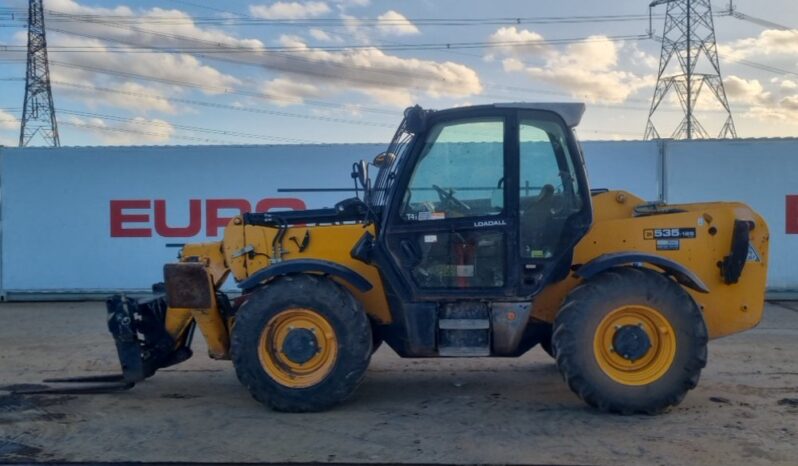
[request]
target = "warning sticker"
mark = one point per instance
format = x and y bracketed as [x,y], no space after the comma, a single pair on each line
[753,255]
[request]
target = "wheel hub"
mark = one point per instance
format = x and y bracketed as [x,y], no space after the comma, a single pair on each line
[300,345]
[631,342]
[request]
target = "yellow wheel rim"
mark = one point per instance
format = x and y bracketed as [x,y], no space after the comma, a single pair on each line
[645,363]
[298,348]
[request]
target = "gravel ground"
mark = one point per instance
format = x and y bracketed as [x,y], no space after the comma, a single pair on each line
[745,410]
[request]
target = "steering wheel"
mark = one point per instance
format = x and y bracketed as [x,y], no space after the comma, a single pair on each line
[448,198]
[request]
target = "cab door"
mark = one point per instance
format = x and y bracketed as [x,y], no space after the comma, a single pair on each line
[450,222]
[554,210]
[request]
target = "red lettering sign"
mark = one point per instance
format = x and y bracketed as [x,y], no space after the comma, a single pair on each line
[152,215]
[792,214]
[213,206]
[194,220]
[265,205]
[119,219]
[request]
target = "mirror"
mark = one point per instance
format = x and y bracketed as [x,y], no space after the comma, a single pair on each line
[384,160]
[360,173]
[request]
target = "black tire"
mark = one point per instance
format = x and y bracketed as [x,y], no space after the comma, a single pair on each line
[581,316]
[546,344]
[376,338]
[343,313]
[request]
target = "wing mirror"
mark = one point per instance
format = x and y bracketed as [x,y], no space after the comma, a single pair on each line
[360,173]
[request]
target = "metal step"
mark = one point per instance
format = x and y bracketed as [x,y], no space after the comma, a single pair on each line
[464,324]
[463,352]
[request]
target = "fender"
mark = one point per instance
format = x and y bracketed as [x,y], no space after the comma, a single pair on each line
[681,273]
[306,266]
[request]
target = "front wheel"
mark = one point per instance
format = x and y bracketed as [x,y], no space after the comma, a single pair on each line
[301,343]
[630,341]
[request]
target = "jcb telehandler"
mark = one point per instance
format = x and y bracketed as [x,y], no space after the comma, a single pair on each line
[478,237]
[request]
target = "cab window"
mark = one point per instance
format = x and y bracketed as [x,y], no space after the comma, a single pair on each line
[460,172]
[549,187]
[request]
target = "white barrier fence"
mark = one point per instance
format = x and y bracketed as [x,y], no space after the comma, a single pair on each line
[97,220]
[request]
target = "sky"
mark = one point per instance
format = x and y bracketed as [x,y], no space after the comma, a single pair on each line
[141,72]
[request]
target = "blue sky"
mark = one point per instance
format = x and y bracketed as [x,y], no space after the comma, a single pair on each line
[212,82]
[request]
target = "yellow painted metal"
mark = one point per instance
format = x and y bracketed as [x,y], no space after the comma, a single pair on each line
[213,328]
[233,246]
[282,369]
[177,321]
[327,242]
[212,256]
[652,365]
[209,320]
[727,308]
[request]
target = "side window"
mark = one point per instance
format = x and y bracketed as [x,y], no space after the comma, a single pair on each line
[459,173]
[549,187]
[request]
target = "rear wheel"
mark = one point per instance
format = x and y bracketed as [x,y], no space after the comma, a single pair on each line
[302,343]
[630,341]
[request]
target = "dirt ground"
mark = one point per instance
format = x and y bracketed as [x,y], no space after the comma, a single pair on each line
[745,410]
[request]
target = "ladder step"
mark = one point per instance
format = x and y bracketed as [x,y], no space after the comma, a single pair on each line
[464,324]
[463,351]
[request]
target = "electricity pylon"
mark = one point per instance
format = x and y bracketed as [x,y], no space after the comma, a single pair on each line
[689,35]
[38,113]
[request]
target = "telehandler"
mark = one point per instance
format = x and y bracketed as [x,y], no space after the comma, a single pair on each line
[479,236]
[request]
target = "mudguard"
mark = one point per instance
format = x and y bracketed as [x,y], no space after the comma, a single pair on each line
[306,266]
[604,262]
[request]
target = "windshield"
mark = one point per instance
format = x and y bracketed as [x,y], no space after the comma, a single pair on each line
[387,172]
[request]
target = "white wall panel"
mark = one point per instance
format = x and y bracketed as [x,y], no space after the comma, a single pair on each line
[56,203]
[760,173]
[629,165]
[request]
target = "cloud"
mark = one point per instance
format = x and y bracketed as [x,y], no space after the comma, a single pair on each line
[289,10]
[137,131]
[396,24]
[366,70]
[166,66]
[372,72]
[289,92]
[345,4]
[588,70]
[400,98]
[744,90]
[506,41]
[779,104]
[768,42]
[323,36]
[141,30]
[8,121]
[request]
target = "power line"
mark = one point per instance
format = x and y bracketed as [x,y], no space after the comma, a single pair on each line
[226,90]
[240,19]
[146,133]
[167,124]
[762,22]
[132,131]
[199,103]
[223,49]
